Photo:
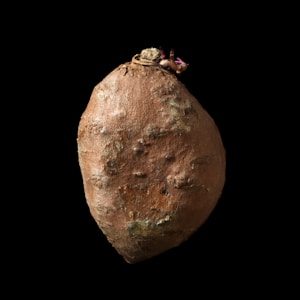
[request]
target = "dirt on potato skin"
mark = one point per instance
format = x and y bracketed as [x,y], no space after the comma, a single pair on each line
[152,160]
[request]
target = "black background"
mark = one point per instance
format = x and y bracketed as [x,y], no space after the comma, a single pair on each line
[59,56]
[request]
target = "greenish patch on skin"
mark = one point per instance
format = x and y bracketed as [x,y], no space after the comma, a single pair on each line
[154,132]
[118,146]
[147,228]
[182,127]
[177,115]
[181,104]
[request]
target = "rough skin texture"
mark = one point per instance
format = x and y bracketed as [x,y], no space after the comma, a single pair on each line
[152,160]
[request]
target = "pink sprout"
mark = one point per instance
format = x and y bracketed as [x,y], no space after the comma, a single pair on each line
[179,61]
[162,54]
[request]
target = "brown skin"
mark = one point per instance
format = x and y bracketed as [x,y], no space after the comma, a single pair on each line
[152,160]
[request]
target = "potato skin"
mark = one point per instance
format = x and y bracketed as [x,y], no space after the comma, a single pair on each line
[152,160]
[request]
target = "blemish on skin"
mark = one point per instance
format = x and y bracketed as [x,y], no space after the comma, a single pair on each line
[100,181]
[131,215]
[138,150]
[103,130]
[111,153]
[119,113]
[164,191]
[143,142]
[200,162]
[169,157]
[177,117]
[181,126]
[164,220]
[154,132]
[180,181]
[119,146]
[94,128]
[101,94]
[112,167]
[140,174]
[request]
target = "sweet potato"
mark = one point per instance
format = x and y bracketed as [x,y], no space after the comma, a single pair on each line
[151,158]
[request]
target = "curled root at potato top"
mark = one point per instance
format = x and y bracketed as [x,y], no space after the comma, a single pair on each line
[151,56]
[151,157]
